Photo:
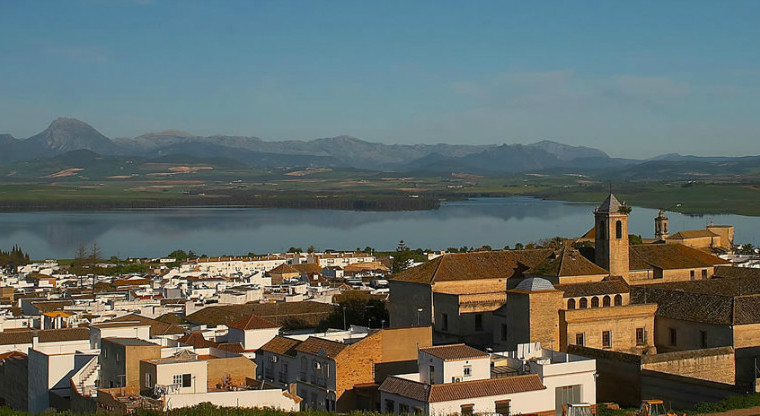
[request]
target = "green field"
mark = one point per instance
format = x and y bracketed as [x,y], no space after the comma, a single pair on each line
[117,182]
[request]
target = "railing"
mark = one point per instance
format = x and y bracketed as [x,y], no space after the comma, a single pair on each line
[282,377]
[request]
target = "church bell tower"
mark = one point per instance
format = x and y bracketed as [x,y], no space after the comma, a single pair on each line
[661,227]
[611,226]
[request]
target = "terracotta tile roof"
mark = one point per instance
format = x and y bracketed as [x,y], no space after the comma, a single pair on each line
[608,286]
[11,354]
[317,346]
[291,314]
[406,388]
[59,335]
[170,318]
[715,301]
[284,269]
[474,266]
[673,256]
[308,268]
[566,262]
[197,340]
[235,347]
[156,327]
[361,267]
[281,345]
[736,272]
[682,235]
[454,352]
[590,234]
[484,388]
[253,322]
[132,282]
[461,391]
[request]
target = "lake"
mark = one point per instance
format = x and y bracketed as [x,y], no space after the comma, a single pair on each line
[216,231]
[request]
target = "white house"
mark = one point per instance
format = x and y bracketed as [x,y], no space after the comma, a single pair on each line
[252,332]
[460,379]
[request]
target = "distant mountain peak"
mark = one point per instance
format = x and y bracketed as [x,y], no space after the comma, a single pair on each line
[66,134]
[170,132]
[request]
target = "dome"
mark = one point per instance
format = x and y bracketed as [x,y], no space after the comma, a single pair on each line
[533,284]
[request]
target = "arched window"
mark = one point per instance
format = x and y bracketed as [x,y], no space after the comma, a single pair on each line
[619,229]
[600,231]
[595,302]
[583,304]
[606,301]
[618,300]
[571,304]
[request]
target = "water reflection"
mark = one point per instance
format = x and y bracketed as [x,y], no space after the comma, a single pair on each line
[494,221]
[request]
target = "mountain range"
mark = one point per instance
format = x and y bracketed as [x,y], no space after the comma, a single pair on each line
[66,134]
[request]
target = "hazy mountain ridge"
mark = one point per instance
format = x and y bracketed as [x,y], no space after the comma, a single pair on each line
[66,135]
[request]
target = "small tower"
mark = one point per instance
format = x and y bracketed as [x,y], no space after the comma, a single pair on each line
[661,232]
[611,223]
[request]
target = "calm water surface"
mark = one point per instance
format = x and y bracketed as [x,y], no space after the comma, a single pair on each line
[214,231]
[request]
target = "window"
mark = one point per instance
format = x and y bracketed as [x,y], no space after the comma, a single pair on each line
[641,336]
[606,301]
[105,352]
[445,322]
[595,302]
[619,229]
[704,274]
[468,371]
[403,409]
[467,409]
[183,380]
[479,322]
[673,336]
[390,406]
[606,339]
[691,274]
[703,339]
[580,339]
[502,407]
[600,231]
[147,380]
[618,300]
[503,332]
[570,305]
[583,304]
[431,374]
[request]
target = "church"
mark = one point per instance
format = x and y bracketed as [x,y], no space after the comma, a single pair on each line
[559,297]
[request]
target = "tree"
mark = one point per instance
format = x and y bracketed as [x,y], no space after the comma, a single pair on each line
[519,246]
[178,255]
[402,258]
[311,250]
[94,254]
[295,250]
[360,309]
[635,239]
[368,249]
[15,257]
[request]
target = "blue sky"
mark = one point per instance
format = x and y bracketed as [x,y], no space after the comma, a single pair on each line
[635,79]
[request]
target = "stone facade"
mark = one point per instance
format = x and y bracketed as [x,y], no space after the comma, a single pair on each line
[629,328]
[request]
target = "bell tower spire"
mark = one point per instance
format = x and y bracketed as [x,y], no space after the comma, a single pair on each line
[611,226]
